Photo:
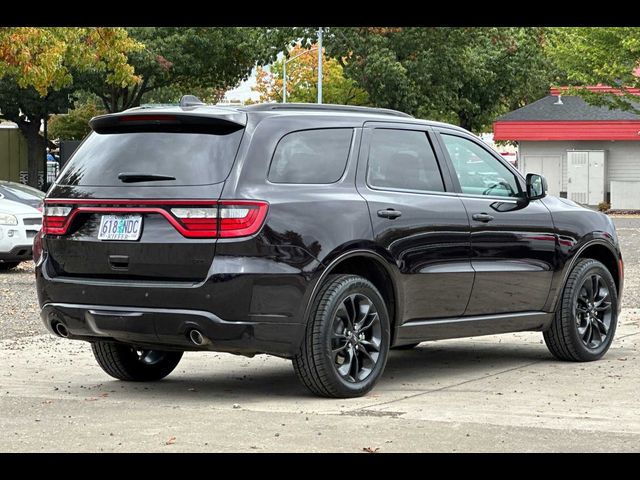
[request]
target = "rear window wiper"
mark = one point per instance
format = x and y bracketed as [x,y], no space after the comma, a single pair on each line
[143,177]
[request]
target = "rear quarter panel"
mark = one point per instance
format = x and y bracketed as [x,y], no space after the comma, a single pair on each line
[307,225]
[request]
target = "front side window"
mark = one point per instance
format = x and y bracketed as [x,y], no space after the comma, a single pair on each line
[311,156]
[403,160]
[479,172]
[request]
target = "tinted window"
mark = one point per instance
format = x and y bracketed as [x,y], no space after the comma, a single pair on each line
[403,159]
[479,172]
[311,156]
[192,158]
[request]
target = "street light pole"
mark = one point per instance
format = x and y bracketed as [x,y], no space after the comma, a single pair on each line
[284,82]
[320,65]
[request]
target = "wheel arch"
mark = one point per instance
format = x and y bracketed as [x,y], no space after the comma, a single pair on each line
[599,250]
[374,267]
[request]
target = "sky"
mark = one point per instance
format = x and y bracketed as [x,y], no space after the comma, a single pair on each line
[243,91]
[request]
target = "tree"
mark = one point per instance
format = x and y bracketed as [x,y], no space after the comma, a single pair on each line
[179,60]
[37,68]
[42,58]
[302,80]
[607,56]
[75,124]
[466,76]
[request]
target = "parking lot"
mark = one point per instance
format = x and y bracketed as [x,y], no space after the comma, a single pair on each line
[494,393]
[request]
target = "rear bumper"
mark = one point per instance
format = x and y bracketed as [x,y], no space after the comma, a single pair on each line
[17,254]
[168,329]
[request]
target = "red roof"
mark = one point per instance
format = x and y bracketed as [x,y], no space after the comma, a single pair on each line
[567,130]
[569,119]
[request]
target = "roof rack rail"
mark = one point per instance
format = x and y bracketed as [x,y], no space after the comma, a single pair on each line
[326,107]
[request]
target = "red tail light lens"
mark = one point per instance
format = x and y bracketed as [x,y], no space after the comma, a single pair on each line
[240,219]
[54,220]
[226,219]
[193,219]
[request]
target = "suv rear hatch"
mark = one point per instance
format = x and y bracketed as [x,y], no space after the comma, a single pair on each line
[139,199]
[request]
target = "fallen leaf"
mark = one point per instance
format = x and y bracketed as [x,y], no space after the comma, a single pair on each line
[171,441]
[370,449]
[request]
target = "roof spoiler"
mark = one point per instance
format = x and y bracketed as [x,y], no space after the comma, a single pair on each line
[214,120]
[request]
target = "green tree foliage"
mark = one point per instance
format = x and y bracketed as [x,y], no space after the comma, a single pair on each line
[75,124]
[42,58]
[37,68]
[600,55]
[179,60]
[467,76]
[302,80]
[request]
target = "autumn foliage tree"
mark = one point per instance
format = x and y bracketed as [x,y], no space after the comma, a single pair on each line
[37,69]
[302,80]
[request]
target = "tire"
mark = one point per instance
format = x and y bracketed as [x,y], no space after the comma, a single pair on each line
[4,266]
[350,372]
[568,337]
[410,346]
[126,363]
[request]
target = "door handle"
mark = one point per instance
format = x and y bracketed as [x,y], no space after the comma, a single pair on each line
[389,213]
[482,217]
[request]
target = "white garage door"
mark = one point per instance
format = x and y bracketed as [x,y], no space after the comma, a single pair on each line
[548,165]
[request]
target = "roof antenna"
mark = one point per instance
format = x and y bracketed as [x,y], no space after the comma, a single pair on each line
[190,101]
[559,101]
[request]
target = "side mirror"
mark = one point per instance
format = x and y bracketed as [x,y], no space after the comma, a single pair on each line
[536,186]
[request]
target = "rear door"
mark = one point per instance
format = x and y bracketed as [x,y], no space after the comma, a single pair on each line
[138,199]
[416,218]
[513,241]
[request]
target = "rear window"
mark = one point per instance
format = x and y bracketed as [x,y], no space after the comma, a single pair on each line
[311,156]
[192,158]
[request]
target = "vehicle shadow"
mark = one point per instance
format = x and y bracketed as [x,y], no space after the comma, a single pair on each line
[428,366]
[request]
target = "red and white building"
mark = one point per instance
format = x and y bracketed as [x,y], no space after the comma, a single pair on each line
[588,154]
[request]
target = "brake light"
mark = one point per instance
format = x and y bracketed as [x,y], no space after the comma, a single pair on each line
[227,220]
[54,219]
[239,219]
[192,218]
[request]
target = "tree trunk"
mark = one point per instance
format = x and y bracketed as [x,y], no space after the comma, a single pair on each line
[464,121]
[36,152]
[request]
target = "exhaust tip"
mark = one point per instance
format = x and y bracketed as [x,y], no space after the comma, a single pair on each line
[197,338]
[60,329]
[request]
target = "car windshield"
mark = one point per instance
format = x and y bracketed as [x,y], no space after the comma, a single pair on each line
[15,191]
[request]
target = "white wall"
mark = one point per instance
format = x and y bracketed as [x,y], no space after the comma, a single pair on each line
[623,158]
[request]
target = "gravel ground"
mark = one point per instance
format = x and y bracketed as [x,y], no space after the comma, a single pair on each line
[19,314]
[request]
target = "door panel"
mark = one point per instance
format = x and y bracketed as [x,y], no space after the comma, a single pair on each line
[512,256]
[513,241]
[430,239]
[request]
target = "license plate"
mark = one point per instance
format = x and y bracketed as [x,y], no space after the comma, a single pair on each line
[120,227]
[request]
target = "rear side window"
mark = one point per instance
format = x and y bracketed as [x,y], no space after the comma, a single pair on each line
[403,160]
[191,158]
[311,156]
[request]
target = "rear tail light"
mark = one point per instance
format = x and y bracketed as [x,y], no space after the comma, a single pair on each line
[193,219]
[226,220]
[54,220]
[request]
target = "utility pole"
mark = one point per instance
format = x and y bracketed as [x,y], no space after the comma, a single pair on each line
[320,65]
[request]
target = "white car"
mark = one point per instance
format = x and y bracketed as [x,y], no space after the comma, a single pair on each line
[19,224]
